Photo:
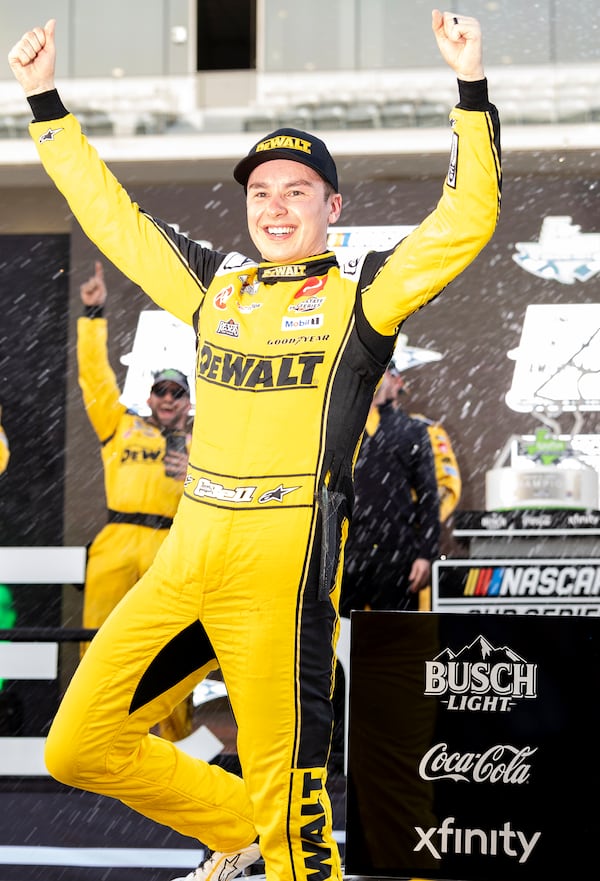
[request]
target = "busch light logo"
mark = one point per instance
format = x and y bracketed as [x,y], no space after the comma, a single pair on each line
[480,678]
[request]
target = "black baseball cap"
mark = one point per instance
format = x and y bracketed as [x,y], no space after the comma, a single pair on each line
[172,375]
[289,143]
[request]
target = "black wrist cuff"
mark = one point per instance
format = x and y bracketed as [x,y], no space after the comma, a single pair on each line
[93,311]
[473,96]
[47,106]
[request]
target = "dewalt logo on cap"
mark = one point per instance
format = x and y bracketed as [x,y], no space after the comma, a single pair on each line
[293,144]
[285,141]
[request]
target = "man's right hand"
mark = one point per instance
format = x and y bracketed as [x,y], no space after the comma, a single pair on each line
[93,291]
[33,59]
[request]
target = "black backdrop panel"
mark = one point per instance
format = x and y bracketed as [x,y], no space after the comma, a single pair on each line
[33,359]
[472,745]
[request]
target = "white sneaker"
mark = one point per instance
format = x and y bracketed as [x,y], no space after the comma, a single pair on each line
[224,866]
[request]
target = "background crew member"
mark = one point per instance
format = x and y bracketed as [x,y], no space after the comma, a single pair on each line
[447,470]
[395,532]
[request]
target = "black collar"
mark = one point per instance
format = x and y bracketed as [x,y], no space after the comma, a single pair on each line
[270,273]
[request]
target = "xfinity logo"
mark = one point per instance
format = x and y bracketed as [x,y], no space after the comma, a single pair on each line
[480,678]
[502,763]
[446,839]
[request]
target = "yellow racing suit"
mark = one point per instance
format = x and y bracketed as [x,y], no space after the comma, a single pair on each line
[288,358]
[141,499]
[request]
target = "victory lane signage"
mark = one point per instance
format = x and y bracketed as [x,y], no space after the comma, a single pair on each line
[554,586]
[472,746]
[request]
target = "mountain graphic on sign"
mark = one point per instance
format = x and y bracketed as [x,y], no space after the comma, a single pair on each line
[480,650]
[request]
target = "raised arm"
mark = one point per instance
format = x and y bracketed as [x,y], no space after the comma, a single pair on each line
[33,59]
[460,43]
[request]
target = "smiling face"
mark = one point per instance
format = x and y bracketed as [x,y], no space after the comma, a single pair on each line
[289,208]
[169,405]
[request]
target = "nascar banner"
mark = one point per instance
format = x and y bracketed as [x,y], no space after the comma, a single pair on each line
[530,586]
[472,745]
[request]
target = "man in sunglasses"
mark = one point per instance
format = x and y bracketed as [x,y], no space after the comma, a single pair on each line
[145,463]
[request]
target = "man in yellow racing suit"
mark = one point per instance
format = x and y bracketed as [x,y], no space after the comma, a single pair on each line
[143,477]
[289,352]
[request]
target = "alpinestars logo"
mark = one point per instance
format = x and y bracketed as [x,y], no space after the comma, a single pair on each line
[276,495]
[49,135]
[447,839]
[480,678]
[229,867]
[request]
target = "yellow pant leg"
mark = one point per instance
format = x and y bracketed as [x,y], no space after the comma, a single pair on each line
[113,567]
[275,647]
[274,640]
[118,556]
[100,740]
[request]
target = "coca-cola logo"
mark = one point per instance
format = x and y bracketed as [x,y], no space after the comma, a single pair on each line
[501,763]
